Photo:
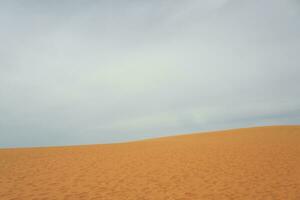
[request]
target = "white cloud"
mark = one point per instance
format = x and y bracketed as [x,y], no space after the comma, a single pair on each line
[86,72]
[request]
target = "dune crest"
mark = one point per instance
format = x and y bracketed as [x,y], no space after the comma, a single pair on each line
[252,163]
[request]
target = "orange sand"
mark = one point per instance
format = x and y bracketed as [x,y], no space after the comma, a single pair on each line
[255,163]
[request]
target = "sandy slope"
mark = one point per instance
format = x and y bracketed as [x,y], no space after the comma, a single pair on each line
[257,163]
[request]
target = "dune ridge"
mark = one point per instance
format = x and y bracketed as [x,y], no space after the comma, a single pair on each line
[250,163]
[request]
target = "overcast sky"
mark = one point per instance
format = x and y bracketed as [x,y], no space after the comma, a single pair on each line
[80,72]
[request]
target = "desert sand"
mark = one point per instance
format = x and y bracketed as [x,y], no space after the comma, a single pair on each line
[251,163]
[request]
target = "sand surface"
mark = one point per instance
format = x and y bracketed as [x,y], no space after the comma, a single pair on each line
[256,163]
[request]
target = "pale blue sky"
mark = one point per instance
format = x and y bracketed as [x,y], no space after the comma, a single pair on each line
[81,72]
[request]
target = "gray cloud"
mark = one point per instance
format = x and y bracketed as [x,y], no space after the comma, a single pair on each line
[74,72]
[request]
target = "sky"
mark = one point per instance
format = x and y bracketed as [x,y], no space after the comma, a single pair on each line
[87,71]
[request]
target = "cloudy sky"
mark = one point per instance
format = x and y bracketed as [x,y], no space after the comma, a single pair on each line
[88,71]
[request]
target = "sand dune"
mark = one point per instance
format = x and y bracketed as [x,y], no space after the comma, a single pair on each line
[255,163]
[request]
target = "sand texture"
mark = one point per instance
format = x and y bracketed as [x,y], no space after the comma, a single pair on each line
[255,163]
